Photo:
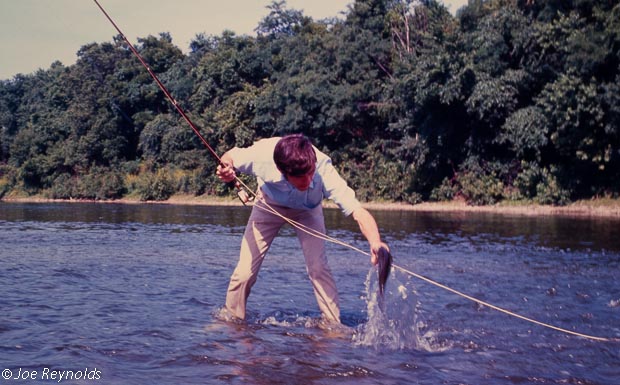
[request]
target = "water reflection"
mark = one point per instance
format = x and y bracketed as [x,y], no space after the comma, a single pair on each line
[570,233]
[123,213]
[550,231]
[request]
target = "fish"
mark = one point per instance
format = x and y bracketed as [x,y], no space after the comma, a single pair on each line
[384,267]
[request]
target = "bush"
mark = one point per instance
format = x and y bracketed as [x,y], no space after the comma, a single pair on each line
[445,191]
[527,180]
[7,179]
[541,185]
[4,189]
[32,176]
[481,189]
[102,184]
[158,186]
[374,175]
[63,187]
[477,184]
[550,191]
[99,184]
[193,182]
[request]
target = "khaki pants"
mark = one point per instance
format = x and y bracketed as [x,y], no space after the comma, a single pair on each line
[260,231]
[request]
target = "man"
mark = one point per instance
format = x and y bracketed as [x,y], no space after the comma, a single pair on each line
[293,179]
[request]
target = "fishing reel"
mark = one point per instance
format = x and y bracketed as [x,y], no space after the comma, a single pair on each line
[245,196]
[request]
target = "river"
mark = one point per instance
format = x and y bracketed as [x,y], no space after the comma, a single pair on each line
[130,294]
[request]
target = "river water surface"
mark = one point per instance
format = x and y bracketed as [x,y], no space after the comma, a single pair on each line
[130,294]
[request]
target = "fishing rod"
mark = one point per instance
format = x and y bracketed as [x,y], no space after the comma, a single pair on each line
[243,192]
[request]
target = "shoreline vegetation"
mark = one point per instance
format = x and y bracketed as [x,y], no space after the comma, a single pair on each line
[505,101]
[595,208]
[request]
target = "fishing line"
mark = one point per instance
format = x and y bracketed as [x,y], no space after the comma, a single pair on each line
[327,238]
[502,310]
[246,195]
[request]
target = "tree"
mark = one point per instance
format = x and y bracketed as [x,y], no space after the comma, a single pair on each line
[513,99]
[280,22]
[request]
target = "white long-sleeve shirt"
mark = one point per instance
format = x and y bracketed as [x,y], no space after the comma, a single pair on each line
[258,160]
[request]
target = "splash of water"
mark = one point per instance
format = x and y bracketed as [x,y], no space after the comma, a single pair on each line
[394,320]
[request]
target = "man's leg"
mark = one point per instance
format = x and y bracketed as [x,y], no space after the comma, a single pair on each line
[319,272]
[260,231]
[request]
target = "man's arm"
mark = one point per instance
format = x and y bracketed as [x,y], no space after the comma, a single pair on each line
[368,227]
[226,169]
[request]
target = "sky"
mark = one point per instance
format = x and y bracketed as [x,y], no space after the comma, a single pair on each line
[36,33]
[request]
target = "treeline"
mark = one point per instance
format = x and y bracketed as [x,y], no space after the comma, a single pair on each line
[509,100]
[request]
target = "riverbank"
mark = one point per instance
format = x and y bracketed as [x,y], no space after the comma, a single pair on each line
[585,208]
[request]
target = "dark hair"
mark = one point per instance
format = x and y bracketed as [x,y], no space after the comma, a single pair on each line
[294,155]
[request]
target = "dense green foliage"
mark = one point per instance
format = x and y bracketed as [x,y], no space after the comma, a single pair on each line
[510,99]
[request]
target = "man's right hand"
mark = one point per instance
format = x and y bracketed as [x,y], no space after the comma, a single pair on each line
[226,172]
